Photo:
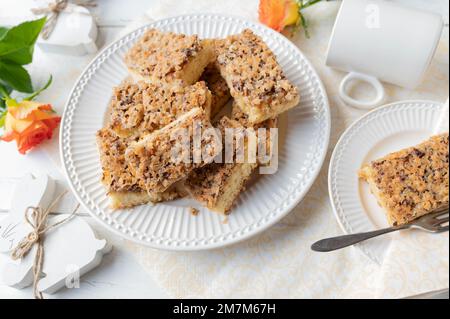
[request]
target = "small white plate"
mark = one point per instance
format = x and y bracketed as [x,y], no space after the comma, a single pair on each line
[304,136]
[378,133]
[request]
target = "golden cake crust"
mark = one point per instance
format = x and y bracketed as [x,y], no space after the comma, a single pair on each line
[238,115]
[255,78]
[412,182]
[170,58]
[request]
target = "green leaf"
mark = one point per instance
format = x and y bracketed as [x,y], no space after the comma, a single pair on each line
[45,87]
[17,44]
[16,77]
[3,31]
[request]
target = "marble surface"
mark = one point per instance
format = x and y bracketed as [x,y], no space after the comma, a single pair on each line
[121,276]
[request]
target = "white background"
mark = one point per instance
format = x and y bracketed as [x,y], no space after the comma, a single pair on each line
[119,275]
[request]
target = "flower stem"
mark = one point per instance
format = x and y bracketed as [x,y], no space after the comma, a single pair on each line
[303,4]
[32,96]
[4,93]
[306,4]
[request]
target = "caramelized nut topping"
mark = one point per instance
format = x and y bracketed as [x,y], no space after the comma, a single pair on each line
[162,54]
[147,107]
[254,76]
[151,159]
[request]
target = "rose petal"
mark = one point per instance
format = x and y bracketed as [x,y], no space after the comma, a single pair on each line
[277,14]
[33,136]
[23,109]
[29,123]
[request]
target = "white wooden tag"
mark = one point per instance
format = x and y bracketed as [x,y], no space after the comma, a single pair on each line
[75,33]
[70,250]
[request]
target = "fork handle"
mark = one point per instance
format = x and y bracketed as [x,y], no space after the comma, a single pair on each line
[334,243]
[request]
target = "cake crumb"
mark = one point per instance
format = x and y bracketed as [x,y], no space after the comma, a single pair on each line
[194,211]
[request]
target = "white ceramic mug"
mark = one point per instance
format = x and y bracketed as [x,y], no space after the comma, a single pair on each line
[377,41]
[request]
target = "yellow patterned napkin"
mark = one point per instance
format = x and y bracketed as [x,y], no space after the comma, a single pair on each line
[279,263]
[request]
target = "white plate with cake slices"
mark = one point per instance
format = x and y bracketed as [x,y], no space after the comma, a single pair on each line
[387,129]
[304,136]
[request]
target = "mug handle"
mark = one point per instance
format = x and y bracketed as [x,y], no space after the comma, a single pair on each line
[365,105]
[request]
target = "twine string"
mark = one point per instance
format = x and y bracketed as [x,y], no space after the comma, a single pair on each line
[52,11]
[37,218]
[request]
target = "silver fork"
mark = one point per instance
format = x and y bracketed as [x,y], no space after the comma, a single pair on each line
[433,223]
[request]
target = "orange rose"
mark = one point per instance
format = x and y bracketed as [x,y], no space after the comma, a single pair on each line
[29,123]
[278,14]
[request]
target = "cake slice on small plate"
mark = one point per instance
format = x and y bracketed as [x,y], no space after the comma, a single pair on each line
[138,108]
[168,155]
[124,190]
[256,80]
[169,58]
[412,182]
[219,184]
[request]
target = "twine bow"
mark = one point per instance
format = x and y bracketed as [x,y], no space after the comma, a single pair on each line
[37,218]
[53,10]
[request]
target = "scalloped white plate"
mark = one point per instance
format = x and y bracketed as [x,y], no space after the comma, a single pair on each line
[378,133]
[303,144]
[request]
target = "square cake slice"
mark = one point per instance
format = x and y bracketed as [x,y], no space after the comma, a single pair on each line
[169,58]
[124,190]
[168,155]
[412,182]
[138,108]
[256,80]
[218,87]
[218,185]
